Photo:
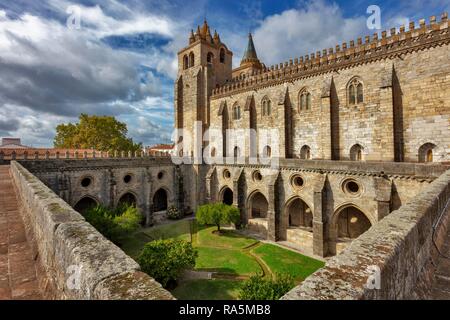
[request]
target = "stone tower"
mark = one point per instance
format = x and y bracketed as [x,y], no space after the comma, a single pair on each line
[206,63]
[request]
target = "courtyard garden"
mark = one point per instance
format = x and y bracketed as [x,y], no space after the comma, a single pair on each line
[231,257]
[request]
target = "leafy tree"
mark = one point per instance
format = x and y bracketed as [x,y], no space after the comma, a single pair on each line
[258,288]
[217,214]
[164,260]
[114,224]
[103,133]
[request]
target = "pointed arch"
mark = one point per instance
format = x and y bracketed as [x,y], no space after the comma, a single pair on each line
[356,152]
[304,100]
[266,106]
[85,203]
[185,62]
[191,59]
[426,152]
[305,152]
[128,198]
[355,91]
[160,200]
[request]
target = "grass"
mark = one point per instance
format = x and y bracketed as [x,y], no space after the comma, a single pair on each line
[230,261]
[223,253]
[227,239]
[281,260]
[207,290]
[177,230]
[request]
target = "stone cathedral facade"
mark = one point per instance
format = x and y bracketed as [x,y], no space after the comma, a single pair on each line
[374,99]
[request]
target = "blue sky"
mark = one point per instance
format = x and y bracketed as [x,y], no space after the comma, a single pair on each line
[122,59]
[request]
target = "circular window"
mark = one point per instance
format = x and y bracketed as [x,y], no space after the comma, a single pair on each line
[160,175]
[352,187]
[127,178]
[257,176]
[297,181]
[226,174]
[86,182]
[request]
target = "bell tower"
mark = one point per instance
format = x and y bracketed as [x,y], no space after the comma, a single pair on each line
[202,66]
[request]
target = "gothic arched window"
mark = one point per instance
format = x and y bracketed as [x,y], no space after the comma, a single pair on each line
[209,57]
[185,62]
[355,92]
[236,112]
[426,152]
[222,55]
[191,59]
[305,152]
[266,105]
[305,100]
[356,152]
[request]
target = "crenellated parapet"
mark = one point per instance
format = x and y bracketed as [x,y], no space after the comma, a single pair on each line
[369,49]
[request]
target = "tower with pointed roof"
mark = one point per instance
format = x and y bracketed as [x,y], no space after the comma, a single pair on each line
[250,62]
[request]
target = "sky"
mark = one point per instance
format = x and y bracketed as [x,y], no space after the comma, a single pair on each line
[61,58]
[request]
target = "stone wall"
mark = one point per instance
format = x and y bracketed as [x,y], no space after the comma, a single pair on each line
[66,245]
[402,245]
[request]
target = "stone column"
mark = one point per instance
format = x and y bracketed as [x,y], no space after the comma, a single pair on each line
[320,245]
[383,187]
[148,201]
[271,226]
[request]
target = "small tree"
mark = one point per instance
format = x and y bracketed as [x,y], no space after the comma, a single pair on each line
[164,260]
[217,214]
[258,288]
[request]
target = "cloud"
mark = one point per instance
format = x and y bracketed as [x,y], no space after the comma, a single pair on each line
[295,32]
[52,73]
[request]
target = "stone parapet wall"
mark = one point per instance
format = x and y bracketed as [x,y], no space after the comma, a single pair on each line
[67,246]
[403,246]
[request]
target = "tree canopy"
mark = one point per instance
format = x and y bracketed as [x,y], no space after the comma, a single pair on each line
[103,133]
[217,214]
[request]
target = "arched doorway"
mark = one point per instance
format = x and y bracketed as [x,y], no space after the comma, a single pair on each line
[84,204]
[160,200]
[426,152]
[128,199]
[298,227]
[300,215]
[258,206]
[227,196]
[305,152]
[348,224]
[356,152]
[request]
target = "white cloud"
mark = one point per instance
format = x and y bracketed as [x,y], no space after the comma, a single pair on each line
[297,32]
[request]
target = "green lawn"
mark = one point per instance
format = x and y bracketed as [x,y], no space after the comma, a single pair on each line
[177,230]
[227,239]
[226,253]
[281,260]
[207,290]
[226,261]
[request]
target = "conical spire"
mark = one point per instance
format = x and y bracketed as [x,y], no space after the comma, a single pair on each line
[250,53]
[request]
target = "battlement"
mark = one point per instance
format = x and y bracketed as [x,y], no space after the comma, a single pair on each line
[373,48]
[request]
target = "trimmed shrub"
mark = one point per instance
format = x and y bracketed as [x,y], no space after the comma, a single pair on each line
[258,288]
[164,260]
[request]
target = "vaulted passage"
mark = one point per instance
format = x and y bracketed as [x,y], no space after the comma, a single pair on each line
[300,214]
[352,223]
[128,198]
[258,206]
[160,200]
[84,204]
[227,196]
